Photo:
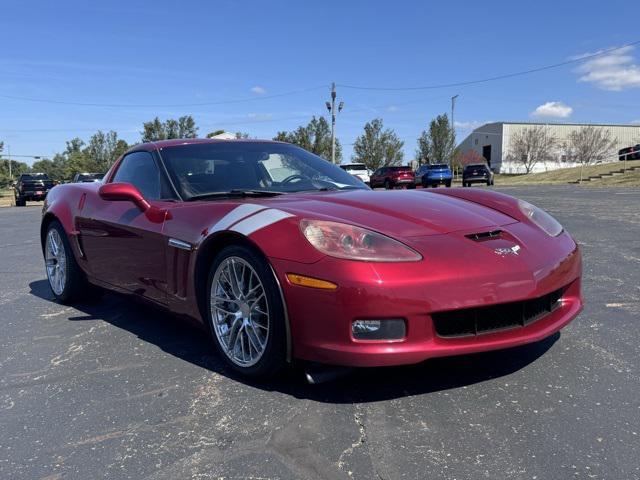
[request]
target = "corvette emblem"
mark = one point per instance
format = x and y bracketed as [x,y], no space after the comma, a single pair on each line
[502,251]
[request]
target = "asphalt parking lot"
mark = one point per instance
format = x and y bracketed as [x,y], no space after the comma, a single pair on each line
[119,390]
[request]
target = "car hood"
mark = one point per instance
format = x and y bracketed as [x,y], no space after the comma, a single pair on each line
[397,213]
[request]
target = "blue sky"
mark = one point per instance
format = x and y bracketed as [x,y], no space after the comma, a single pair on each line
[140,53]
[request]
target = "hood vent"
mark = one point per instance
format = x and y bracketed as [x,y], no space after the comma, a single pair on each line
[478,237]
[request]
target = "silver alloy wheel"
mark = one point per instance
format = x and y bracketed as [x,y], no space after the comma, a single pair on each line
[239,311]
[56,262]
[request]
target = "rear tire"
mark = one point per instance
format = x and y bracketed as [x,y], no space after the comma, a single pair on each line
[448,184]
[21,202]
[66,279]
[245,313]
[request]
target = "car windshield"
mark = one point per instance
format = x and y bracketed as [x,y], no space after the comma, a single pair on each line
[352,168]
[209,168]
[84,177]
[438,166]
[399,169]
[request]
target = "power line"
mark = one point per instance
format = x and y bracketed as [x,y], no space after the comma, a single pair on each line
[497,77]
[162,105]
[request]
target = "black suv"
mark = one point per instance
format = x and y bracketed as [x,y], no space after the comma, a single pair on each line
[479,173]
[32,186]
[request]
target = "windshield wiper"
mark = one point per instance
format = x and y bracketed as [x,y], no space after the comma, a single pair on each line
[235,193]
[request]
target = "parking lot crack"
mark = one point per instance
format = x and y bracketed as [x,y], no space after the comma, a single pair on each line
[358,416]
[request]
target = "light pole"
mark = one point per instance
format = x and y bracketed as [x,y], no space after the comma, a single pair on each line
[331,106]
[9,155]
[453,129]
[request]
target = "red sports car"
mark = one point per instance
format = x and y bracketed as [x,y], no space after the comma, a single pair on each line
[283,256]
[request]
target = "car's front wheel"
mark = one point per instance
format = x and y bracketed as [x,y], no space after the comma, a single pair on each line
[387,184]
[66,279]
[245,313]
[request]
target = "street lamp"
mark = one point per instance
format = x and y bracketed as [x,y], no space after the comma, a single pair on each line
[331,106]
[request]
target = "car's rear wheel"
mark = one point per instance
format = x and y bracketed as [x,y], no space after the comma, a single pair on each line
[245,313]
[66,279]
[448,184]
[20,202]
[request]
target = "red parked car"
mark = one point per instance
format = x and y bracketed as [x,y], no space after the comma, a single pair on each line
[281,255]
[392,177]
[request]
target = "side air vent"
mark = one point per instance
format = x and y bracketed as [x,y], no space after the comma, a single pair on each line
[478,237]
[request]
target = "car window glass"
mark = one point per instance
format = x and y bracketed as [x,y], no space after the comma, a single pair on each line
[139,169]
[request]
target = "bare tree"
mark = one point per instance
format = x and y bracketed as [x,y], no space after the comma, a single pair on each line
[589,145]
[532,145]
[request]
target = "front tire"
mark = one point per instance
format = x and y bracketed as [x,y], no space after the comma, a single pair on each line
[66,279]
[387,184]
[245,313]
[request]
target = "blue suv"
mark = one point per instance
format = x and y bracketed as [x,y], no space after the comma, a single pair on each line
[434,175]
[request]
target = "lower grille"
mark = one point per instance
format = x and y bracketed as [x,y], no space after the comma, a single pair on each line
[476,321]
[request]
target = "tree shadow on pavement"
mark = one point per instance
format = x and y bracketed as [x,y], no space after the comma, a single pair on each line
[187,342]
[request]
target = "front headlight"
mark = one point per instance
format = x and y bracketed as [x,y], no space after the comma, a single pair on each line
[541,218]
[354,243]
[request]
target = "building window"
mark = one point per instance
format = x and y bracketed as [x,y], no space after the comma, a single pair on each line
[476,141]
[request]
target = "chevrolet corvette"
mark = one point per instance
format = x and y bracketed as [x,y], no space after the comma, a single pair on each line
[283,256]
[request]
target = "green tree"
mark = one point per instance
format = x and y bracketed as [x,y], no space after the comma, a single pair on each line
[184,127]
[377,147]
[46,166]
[437,145]
[314,137]
[17,168]
[104,149]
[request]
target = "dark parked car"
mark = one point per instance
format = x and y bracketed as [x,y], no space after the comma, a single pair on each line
[479,173]
[629,153]
[392,177]
[87,177]
[32,186]
[434,175]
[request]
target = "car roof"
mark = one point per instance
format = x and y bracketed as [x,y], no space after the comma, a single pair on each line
[151,146]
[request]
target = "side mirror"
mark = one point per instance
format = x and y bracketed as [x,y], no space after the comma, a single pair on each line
[123,192]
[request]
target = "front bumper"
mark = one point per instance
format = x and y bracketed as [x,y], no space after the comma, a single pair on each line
[321,320]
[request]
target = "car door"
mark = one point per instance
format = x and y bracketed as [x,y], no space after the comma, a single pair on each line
[124,247]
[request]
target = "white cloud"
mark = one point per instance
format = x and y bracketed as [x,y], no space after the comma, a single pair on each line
[552,110]
[259,116]
[258,90]
[615,70]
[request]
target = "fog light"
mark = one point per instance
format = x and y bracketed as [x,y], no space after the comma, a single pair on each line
[389,329]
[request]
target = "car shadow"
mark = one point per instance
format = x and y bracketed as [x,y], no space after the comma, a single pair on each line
[187,342]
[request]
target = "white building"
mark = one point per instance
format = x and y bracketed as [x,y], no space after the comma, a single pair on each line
[492,142]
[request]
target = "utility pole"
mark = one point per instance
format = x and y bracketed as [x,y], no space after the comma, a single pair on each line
[9,155]
[331,106]
[453,106]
